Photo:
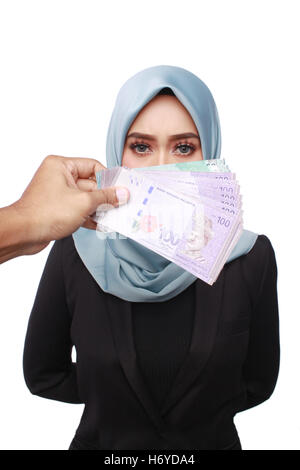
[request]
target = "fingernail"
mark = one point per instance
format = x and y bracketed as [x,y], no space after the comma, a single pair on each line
[122,195]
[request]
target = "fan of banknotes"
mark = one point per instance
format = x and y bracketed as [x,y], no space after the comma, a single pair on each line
[189,212]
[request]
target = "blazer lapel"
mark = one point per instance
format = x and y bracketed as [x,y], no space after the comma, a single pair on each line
[208,304]
[122,329]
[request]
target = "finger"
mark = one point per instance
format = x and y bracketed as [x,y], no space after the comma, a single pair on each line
[89,223]
[107,198]
[86,185]
[83,167]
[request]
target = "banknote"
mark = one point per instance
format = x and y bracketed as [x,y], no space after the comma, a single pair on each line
[194,228]
[185,174]
[226,192]
[216,165]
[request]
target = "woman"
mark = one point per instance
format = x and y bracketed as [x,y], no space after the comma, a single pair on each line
[164,360]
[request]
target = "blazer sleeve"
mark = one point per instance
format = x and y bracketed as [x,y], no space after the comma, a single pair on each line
[47,356]
[261,368]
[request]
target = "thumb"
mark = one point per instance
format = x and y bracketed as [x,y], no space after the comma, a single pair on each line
[108,197]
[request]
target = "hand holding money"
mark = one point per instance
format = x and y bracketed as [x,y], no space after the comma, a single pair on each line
[190,213]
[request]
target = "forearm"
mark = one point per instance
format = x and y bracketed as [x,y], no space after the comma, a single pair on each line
[259,390]
[17,234]
[47,357]
[54,385]
[261,367]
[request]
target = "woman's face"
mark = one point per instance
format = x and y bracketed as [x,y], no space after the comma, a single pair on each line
[163,119]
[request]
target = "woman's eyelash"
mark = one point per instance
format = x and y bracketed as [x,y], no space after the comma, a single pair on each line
[180,144]
[138,144]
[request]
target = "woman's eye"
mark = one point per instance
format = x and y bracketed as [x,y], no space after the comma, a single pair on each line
[186,148]
[143,146]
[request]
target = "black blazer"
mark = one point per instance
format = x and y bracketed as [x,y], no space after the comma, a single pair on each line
[232,363]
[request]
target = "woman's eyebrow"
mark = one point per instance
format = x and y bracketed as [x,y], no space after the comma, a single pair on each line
[171,137]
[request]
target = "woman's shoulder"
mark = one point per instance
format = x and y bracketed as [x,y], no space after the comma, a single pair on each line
[261,250]
[65,245]
[68,252]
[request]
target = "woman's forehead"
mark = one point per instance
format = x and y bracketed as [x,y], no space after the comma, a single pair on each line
[161,120]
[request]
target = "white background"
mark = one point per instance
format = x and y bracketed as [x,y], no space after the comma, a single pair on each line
[62,65]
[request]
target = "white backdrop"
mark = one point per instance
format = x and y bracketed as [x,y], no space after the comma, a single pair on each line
[62,65]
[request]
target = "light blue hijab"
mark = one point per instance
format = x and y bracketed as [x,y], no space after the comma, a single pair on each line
[123,267]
